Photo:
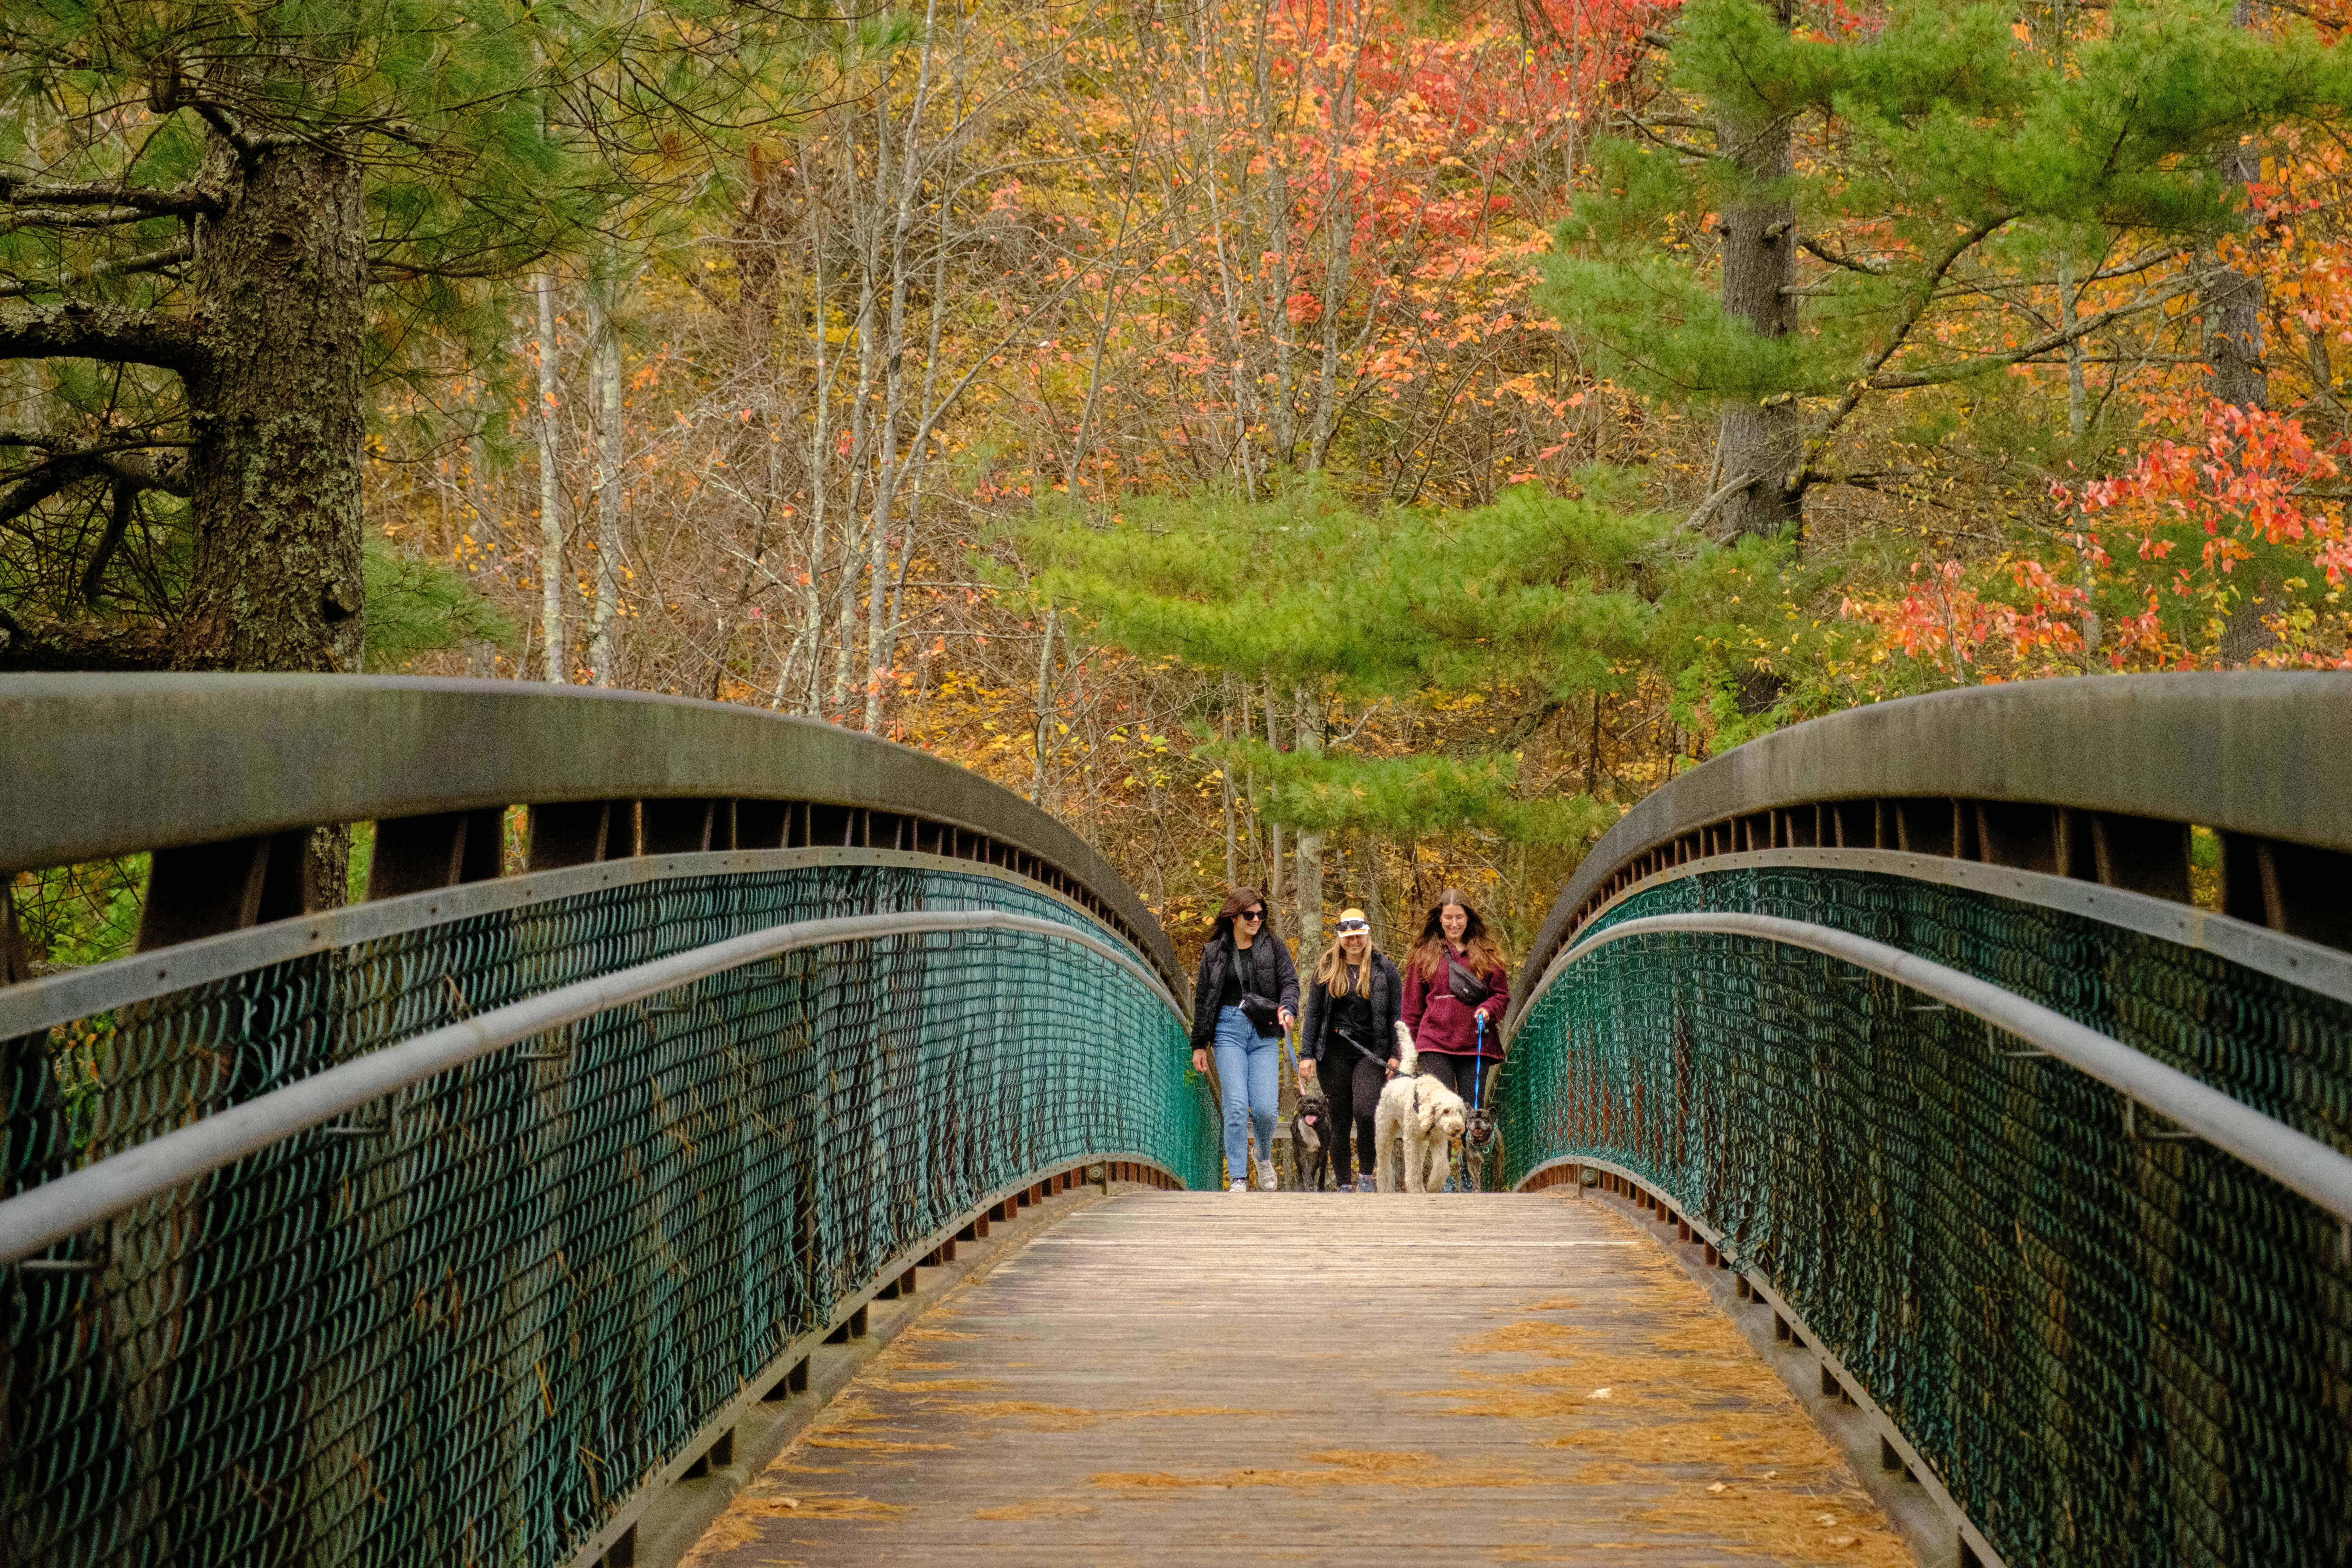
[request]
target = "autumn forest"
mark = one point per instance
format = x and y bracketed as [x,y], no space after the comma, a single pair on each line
[1350,447]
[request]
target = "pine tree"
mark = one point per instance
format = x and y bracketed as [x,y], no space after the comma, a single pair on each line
[219,221]
[1537,601]
[1953,165]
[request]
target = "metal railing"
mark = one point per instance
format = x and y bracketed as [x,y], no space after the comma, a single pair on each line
[451,1225]
[2052,1168]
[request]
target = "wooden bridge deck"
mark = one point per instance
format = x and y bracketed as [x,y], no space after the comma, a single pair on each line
[1313,1378]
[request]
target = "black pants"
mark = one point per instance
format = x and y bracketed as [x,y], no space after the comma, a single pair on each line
[1465,1075]
[1353,1085]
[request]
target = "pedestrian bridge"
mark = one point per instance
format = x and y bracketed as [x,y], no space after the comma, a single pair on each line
[723,1137]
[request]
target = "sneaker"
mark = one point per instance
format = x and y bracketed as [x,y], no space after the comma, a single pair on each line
[1347,1186]
[1238,1187]
[1266,1178]
[1367,1184]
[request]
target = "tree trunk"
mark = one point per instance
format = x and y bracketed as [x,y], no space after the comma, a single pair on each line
[1225,778]
[2234,300]
[1273,889]
[274,475]
[605,415]
[1046,707]
[550,499]
[1310,844]
[1762,442]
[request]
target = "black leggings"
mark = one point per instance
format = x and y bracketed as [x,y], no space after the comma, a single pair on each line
[1354,1092]
[1464,1075]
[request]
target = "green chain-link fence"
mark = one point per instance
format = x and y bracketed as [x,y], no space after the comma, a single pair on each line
[2112,1347]
[464,1324]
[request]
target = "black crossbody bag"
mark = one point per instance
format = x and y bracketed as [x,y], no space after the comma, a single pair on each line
[1468,988]
[1263,1013]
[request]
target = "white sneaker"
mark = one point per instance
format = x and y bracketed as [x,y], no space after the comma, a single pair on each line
[1238,1187]
[1266,1179]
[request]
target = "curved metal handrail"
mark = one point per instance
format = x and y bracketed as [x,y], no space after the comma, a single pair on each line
[2300,1163]
[54,999]
[99,766]
[2251,755]
[81,1199]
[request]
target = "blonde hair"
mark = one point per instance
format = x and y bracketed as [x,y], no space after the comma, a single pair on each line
[1340,978]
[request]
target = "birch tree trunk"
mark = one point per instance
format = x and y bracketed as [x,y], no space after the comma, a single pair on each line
[1044,709]
[604,414]
[886,477]
[550,510]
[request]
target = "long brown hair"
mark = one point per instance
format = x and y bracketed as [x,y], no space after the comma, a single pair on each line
[1340,978]
[1429,952]
[1235,902]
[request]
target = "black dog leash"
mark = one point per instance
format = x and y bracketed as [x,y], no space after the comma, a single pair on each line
[1361,1049]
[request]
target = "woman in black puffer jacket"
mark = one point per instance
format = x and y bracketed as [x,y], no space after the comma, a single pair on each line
[1351,1036]
[1247,993]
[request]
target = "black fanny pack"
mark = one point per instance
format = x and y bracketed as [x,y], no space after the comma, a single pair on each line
[1263,1013]
[1468,988]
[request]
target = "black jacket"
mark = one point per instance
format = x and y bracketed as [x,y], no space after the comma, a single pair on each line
[1315,1036]
[1272,974]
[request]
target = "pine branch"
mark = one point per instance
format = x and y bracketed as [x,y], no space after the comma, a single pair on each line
[151,261]
[184,202]
[122,512]
[1714,503]
[1960,370]
[224,125]
[130,473]
[1839,258]
[110,333]
[1868,379]
[70,218]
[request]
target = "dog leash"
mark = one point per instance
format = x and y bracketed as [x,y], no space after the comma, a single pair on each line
[1362,1049]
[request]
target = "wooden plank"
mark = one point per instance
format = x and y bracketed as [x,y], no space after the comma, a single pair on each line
[1312,1377]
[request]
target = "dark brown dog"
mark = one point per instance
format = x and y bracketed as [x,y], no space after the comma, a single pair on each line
[1310,1142]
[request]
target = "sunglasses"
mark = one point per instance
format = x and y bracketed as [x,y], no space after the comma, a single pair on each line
[1251,915]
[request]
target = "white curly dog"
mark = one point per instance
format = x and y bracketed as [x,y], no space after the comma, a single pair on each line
[1420,1117]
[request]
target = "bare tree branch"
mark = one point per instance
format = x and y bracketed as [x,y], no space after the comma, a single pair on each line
[184,202]
[1839,258]
[70,218]
[1958,370]
[112,334]
[1868,378]
[150,261]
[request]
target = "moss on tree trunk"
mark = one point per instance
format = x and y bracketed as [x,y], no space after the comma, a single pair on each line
[277,417]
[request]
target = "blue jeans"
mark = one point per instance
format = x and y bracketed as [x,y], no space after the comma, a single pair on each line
[1249,1082]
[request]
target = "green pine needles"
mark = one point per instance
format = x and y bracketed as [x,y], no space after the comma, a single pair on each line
[1808,218]
[222,222]
[1528,606]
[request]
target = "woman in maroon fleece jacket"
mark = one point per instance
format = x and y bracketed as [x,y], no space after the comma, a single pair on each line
[1455,990]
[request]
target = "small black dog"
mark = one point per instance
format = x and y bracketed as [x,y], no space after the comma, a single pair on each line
[1310,1143]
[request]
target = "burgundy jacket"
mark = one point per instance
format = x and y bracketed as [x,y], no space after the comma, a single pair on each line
[1440,1023]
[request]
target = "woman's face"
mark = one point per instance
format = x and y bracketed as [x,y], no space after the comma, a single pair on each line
[1354,945]
[1454,920]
